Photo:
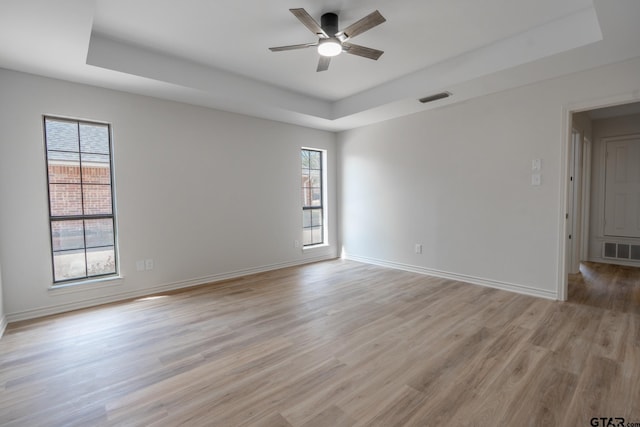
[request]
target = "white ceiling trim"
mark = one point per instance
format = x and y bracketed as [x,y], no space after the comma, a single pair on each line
[227,90]
[219,84]
[559,36]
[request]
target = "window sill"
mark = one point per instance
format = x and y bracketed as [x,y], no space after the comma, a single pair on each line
[310,248]
[86,285]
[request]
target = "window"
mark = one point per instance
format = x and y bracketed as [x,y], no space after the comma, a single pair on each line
[81,202]
[312,197]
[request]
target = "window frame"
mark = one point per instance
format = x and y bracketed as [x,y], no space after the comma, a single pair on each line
[87,278]
[323,200]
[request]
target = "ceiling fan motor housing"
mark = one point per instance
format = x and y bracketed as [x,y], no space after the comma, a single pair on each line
[329,23]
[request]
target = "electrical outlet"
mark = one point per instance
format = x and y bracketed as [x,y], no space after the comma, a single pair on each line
[140,265]
[536,179]
[296,243]
[418,248]
[148,264]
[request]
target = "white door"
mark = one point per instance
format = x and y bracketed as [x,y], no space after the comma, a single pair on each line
[622,187]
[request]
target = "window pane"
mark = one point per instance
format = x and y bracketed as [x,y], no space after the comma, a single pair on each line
[306,237]
[101,261]
[307,197]
[67,235]
[304,155]
[99,232]
[311,194]
[96,169]
[316,216]
[316,235]
[69,265]
[80,176]
[316,197]
[314,160]
[65,199]
[97,199]
[94,138]
[312,236]
[61,135]
[306,218]
[315,179]
[63,167]
[305,178]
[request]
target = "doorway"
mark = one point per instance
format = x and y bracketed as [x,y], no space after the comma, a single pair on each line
[585,239]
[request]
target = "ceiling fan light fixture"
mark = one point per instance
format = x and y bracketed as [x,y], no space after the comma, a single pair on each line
[329,47]
[331,42]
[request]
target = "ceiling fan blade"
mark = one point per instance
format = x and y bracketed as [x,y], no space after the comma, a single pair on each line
[365,52]
[309,22]
[368,22]
[292,47]
[323,63]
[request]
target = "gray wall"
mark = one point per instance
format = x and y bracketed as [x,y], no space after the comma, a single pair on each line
[206,194]
[458,181]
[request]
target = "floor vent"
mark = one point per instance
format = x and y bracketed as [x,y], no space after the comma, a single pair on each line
[621,251]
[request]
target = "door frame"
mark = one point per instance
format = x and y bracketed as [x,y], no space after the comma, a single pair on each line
[587,149]
[565,158]
[575,209]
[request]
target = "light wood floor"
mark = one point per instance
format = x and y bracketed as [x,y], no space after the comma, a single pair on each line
[329,344]
[612,287]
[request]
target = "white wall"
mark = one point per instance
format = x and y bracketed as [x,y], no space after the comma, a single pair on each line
[458,180]
[602,129]
[205,194]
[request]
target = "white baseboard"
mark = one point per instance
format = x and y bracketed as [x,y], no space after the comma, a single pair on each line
[600,260]
[3,325]
[521,289]
[61,308]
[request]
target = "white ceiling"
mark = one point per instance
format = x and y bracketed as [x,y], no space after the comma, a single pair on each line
[215,53]
[234,35]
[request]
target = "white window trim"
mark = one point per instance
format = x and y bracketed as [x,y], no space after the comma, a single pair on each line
[325,209]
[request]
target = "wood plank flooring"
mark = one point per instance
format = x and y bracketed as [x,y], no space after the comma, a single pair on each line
[613,287]
[337,343]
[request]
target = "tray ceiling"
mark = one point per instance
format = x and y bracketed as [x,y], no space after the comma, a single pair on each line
[216,53]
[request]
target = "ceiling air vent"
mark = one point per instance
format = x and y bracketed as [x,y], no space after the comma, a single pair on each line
[435,97]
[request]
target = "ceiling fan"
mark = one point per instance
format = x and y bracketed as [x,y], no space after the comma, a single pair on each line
[332,42]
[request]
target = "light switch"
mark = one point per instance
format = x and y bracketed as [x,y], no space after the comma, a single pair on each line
[536,164]
[536,179]
[140,265]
